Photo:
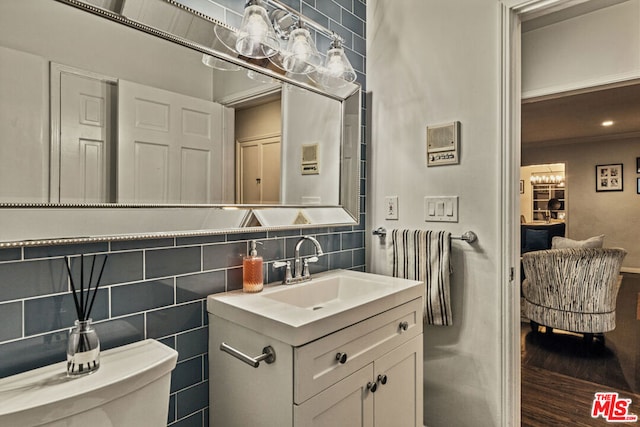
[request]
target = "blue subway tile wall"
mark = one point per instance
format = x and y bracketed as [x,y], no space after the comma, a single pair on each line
[157,288]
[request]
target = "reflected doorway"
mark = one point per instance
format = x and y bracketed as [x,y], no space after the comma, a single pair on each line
[258,148]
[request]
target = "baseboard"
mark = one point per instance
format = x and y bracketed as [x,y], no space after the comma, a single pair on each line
[630,270]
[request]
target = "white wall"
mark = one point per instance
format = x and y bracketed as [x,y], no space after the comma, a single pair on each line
[310,119]
[593,49]
[432,62]
[601,46]
[590,213]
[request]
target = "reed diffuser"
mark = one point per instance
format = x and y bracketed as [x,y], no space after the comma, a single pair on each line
[83,347]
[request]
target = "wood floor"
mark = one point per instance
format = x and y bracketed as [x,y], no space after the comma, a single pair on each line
[560,375]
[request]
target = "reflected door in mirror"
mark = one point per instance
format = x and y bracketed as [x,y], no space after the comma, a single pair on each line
[170,147]
[86,143]
[259,171]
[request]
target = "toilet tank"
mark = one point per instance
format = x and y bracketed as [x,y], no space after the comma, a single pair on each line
[131,388]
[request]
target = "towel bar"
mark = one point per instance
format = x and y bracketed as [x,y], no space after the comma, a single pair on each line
[468,236]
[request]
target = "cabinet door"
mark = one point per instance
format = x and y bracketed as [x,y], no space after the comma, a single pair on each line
[348,403]
[398,398]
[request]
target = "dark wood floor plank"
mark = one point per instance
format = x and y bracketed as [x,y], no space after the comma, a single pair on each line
[560,375]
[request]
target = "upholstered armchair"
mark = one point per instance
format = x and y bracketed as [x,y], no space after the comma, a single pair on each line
[572,289]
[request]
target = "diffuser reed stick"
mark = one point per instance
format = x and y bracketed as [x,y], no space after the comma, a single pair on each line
[85,295]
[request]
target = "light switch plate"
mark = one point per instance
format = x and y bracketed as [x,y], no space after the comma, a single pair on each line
[391,207]
[441,209]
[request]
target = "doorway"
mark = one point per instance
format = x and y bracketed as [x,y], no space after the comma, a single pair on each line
[512,125]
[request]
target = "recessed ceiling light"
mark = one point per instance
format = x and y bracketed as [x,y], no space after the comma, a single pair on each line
[607,123]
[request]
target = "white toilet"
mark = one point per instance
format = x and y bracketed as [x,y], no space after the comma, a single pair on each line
[131,388]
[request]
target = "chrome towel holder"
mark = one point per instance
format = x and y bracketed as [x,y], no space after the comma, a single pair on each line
[468,236]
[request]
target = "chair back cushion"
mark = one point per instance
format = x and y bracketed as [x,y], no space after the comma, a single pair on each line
[558,242]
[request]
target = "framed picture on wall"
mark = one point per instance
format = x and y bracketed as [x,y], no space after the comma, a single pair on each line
[637,164]
[609,177]
[638,186]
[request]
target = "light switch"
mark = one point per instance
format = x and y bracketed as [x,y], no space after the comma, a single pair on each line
[448,205]
[441,209]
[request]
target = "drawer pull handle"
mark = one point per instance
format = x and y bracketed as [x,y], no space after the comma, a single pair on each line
[382,379]
[404,325]
[341,358]
[372,387]
[268,355]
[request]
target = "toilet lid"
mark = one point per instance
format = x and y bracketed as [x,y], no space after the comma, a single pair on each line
[46,394]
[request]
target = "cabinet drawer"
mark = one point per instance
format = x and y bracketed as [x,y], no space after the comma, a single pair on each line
[316,365]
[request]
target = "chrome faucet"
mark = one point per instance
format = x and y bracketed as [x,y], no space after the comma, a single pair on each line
[300,266]
[297,273]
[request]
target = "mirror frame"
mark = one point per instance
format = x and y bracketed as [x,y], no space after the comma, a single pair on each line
[29,224]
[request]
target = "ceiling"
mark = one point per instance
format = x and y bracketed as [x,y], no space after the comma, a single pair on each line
[578,117]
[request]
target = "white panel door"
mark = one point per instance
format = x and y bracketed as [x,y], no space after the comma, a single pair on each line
[271,172]
[170,147]
[398,398]
[258,171]
[347,403]
[85,114]
[250,173]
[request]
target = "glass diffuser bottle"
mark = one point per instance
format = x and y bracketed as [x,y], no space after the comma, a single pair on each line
[83,349]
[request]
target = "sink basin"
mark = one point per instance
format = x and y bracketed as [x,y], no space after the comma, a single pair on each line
[326,292]
[300,313]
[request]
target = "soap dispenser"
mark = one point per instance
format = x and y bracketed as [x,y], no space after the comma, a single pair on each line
[252,276]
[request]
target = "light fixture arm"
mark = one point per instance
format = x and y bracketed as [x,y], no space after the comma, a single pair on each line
[307,21]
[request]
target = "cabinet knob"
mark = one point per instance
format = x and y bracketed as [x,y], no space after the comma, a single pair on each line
[372,387]
[382,379]
[341,358]
[404,325]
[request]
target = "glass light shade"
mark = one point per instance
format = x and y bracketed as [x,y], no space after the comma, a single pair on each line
[256,37]
[338,66]
[301,55]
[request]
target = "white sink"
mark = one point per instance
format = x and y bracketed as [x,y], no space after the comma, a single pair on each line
[327,292]
[300,313]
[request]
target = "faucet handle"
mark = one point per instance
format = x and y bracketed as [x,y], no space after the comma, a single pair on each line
[280,264]
[287,271]
[305,268]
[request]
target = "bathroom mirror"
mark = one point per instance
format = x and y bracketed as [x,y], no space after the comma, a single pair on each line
[117,116]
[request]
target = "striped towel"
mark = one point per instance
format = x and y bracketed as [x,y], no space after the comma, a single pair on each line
[424,255]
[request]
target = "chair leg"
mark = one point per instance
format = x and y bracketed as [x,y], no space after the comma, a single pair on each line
[535,326]
[599,339]
[588,338]
[548,330]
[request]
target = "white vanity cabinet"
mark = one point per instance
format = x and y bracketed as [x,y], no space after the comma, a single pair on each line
[367,373]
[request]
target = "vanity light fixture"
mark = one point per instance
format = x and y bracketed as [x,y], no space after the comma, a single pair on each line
[256,37]
[283,36]
[607,123]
